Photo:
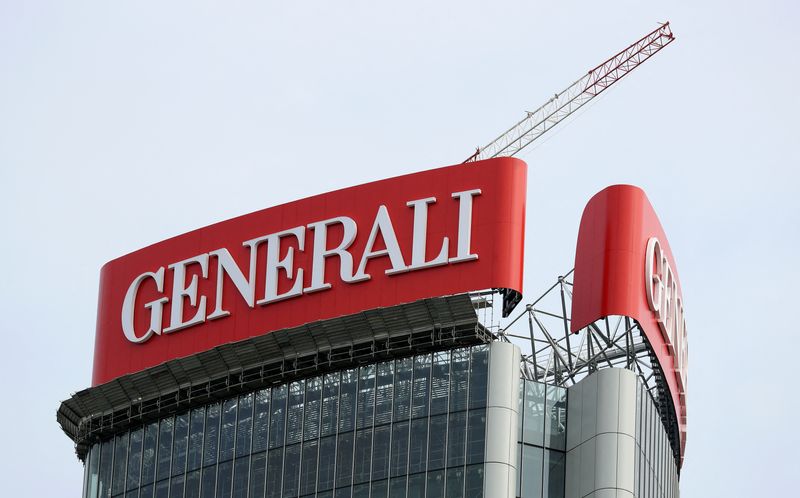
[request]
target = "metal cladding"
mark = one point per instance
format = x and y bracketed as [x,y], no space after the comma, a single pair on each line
[435,233]
[624,266]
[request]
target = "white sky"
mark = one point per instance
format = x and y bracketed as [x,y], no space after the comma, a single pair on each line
[123,123]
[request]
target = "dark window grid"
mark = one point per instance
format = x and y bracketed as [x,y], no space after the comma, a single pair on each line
[266,439]
[335,431]
[233,450]
[205,432]
[124,477]
[390,424]
[181,475]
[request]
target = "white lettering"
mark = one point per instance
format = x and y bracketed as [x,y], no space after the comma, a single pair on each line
[321,252]
[464,225]
[156,307]
[420,235]
[382,224]
[274,265]
[180,291]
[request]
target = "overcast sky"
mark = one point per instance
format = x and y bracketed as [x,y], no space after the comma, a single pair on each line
[123,123]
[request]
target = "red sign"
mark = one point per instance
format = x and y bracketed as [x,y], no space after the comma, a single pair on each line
[435,233]
[624,266]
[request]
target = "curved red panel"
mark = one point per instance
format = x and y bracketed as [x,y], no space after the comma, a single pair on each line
[496,232]
[610,277]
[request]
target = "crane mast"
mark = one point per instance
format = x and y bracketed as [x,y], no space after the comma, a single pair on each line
[561,105]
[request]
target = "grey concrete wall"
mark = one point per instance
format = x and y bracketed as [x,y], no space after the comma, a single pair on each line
[502,419]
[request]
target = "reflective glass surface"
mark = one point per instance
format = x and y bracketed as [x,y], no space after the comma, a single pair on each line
[404,428]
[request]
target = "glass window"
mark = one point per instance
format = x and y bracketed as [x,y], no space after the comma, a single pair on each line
[455,483]
[224,479]
[135,458]
[459,379]
[384,393]
[149,453]
[418,450]
[120,462]
[104,475]
[438,440]
[274,473]
[380,452]
[179,445]
[330,404]
[379,488]
[363,455]
[313,407]
[327,460]
[208,481]
[402,388]
[420,393]
[277,422]
[192,484]
[476,436]
[146,491]
[456,439]
[244,425]
[241,472]
[361,491]
[533,415]
[176,486]
[308,476]
[397,487]
[294,420]
[342,493]
[344,460]
[554,465]
[365,407]
[416,485]
[258,474]
[196,424]
[211,436]
[347,400]
[261,421]
[164,448]
[556,421]
[474,481]
[162,489]
[291,471]
[532,469]
[399,458]
[478,376]
[440,382]
[435,487]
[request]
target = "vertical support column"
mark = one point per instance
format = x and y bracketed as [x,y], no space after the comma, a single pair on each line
[601,435]
[502,420]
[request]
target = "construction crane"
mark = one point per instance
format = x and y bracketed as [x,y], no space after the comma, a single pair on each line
[561,105]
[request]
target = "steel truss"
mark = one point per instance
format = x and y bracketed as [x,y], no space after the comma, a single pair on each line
[553,355]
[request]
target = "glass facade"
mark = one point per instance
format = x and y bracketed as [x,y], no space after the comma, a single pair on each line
[408,427]
[542,436]
[656,475]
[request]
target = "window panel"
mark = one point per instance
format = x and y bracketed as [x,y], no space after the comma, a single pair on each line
[164,449]
[135,458]
[554,465]
[342,493]
[291,471]
[227,432]
[330,404]
[534,414]
[149,453]
[397,487]
[362,456]
[474,482]
[244,425]
[532,458]
[162,489]
[258,475]
[146,491]
[418,450]
[440,382]
[556,421]
[193,484]
[416,485]
[208,482]
[399,458]
[241,474]
[456,439]
[435,485]
[308,472]
[384,393]
[344,460]
[455,483]
[379,488]
[365,407]
[104,474]
[313,407]
[476,436]
[437,443]
[327,461]
[459,377]
[261,421]
[211,435]
[402,388]
[224,479]
[380,452]
[176,486]
[361,491]
[420,390]
[120,463]
[275,472]
[277,422]
[180,444]
[478,376]
[196,425]
[294,412]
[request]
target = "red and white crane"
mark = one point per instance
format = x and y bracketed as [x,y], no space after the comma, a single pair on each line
[561,105]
